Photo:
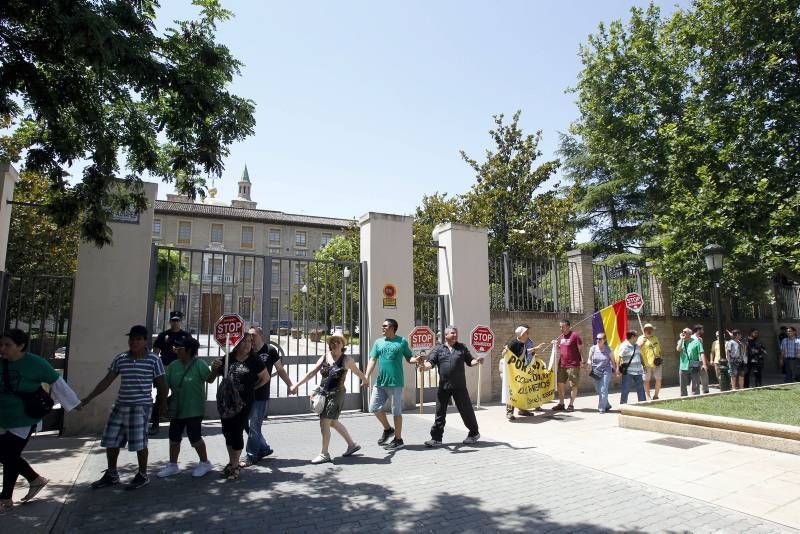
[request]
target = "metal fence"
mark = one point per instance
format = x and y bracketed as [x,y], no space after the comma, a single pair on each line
[788,301]
[540,285]
[431,311]
[612,283]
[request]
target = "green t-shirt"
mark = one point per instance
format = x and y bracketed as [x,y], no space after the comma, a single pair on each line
[390,354]
[691,353]
[684,356]
[192,392]
[26,374]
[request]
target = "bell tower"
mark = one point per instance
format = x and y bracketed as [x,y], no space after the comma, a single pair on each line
[243,198]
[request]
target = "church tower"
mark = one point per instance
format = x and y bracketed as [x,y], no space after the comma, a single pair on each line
[243,199]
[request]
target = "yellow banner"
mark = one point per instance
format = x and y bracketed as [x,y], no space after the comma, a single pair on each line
[531,386]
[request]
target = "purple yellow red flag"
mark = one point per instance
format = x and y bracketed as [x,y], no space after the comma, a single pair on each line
[613,322]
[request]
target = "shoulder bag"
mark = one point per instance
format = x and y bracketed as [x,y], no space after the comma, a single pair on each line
[36,404]
[173,402]
[623,367]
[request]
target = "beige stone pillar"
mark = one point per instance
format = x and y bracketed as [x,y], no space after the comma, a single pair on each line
[111,293]
[464,277]
[8,180]
[387,247]
[581,285]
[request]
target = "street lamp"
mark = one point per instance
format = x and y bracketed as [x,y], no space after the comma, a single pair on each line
[714,256]
[304,291]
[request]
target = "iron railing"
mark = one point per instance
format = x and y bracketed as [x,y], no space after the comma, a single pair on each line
[612,283]
[541,285]
[788,301]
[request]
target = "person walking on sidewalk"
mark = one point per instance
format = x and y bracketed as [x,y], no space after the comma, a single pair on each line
[523,347]
[790,352]
[569,365]
[186,377]
[688,371]
[163,348]
[602,364]
[737,359]
[137,368]
[630,367]
[247,373]
[333,366]
[756,354]
[389,352]
[257,447]
[23,374]
[450,358]
[651,359]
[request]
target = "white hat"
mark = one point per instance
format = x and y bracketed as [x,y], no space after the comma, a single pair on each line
[648,325]
[520,330]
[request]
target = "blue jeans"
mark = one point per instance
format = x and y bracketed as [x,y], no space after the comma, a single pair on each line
[789,370]
[601,386]
[257,446]
[637,382]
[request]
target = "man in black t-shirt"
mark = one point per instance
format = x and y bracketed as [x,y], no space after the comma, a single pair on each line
[163,348]
[257,447]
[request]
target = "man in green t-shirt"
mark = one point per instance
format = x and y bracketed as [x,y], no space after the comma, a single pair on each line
[692,358]
[389,351]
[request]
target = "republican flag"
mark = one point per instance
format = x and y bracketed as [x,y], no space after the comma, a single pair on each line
[613,322]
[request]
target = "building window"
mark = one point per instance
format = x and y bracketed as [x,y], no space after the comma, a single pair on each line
[300,252]
[184,232]
[216,233]
[156,226]
[247,237]
[216,266]
[182,303]
[300,239]
[274,309]
[274,236]
[274,251]
[298,274]
[246,271]
[276,273]
[245,309]
[325,239]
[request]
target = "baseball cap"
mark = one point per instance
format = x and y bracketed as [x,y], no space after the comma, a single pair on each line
[138,330]
[648,325]
[520,330]
[176,315]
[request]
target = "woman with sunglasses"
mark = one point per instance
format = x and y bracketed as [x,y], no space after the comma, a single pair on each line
[603,365]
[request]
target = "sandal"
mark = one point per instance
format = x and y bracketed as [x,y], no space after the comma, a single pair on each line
[34,489]
[558,407]
[570,408]
[226,471]
[233,474]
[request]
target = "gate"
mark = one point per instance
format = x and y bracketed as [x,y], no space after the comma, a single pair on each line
[41,305]
[298,302]
[430,309]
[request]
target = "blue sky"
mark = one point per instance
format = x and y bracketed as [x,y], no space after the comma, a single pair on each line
[363,105]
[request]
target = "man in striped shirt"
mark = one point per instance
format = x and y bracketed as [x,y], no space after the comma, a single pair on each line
[137,368]
[790,355]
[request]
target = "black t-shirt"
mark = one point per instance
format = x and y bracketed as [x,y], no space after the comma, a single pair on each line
[245,375]
[268,355]
[451,365]
[164,344]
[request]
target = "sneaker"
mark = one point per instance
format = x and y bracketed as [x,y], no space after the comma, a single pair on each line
[510,416]
[557,408]
[469,440]
[388,433]
[268,453]
[431,443]
[525,413]
[169,470]
[202,469]
[109,478]
[352,449]
[138,481]
[321,459]
[394,445]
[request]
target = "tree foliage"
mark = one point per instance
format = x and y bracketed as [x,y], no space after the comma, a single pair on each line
[84,80]
[695,118]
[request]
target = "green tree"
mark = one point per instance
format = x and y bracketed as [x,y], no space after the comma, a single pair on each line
[434,209]
[504,198]
[93,80]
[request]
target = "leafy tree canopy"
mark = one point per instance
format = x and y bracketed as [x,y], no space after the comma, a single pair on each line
[92,80]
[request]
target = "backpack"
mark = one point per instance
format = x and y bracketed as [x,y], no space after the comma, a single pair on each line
[229,401]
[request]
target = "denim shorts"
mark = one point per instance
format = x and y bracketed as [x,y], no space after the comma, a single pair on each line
[381,394]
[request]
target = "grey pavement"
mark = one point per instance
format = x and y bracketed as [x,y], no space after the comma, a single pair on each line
[496,485]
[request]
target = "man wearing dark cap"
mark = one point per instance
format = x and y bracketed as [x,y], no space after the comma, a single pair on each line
[163,348]
[137,368]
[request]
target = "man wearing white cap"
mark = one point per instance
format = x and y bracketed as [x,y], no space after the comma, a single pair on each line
[651,358]
[521,343]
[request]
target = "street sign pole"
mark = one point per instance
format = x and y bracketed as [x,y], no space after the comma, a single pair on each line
[482,341]
[227,352]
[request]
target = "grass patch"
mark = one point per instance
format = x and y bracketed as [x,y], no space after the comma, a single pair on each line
[774,404]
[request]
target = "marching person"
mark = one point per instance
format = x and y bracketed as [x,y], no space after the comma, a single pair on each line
[651,358]
[520,344]
[756,354]
[603,366]
[23,373]
[334,366]
[163,348]
[737,359]
[569,365]
[630,366]
[450,358]
[137,368]
[389,352]
[187,377]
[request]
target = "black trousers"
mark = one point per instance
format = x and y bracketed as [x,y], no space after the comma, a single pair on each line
[464,406]
[14,465]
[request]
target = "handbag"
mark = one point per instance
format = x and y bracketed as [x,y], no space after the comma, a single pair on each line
[318,400]
[623,367]
[173,403]
[36,404]
[595,375]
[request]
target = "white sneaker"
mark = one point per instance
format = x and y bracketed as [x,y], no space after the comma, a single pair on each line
[321,459]
[169,470]
[202,469]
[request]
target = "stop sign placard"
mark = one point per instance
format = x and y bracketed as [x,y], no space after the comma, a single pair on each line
[481,339]
[421,338]
[634,302]
[232,324]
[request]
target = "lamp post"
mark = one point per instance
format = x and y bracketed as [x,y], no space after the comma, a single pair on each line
[345,276]
[714,255]
[304,291]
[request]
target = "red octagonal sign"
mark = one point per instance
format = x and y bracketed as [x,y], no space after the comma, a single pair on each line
[421,338]
[232,324]
[482,338]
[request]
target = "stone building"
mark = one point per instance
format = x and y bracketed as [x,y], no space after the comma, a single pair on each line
[225,246]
